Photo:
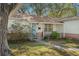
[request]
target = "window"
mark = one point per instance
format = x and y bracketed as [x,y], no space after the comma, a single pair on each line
[48,27]
[39,28]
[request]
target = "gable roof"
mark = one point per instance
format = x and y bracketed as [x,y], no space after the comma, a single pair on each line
[32,18]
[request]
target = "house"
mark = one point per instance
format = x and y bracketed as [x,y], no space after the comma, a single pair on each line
[40,26]
[71,27]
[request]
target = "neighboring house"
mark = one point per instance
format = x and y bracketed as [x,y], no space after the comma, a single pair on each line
[71,27]
[40,26]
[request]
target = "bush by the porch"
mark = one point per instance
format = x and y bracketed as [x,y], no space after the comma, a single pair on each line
[55,35]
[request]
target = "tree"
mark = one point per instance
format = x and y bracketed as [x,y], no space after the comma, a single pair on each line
[5,11]
[62,10]
[22,9]
[37,9]
[49,9]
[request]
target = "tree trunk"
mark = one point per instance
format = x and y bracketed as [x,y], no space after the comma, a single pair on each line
[4,48]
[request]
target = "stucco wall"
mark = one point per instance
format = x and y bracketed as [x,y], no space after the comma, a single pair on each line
[71,27]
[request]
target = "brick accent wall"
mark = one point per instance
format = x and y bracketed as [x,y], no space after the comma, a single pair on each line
[75,36]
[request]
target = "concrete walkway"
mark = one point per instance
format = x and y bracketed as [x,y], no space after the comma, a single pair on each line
[59,47]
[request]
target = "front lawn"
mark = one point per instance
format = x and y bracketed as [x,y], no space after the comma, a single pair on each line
[28,48]
[32,49]
[71,47]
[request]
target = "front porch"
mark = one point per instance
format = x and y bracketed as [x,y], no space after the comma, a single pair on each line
[40,30]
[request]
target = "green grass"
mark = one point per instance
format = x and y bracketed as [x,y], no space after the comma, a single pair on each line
[32,49]
[27,48]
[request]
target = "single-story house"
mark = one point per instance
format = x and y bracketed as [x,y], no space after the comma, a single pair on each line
[71,27]
[40,25]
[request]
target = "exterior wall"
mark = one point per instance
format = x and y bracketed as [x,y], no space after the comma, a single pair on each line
[75,36]
[71,29]
[59,28]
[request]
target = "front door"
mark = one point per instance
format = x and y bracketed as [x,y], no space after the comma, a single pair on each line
[40,31]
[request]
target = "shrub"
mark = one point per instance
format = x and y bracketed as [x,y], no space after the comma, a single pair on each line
[17,36]
[68,40]
[18,31]
[55,35]
[46,38]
